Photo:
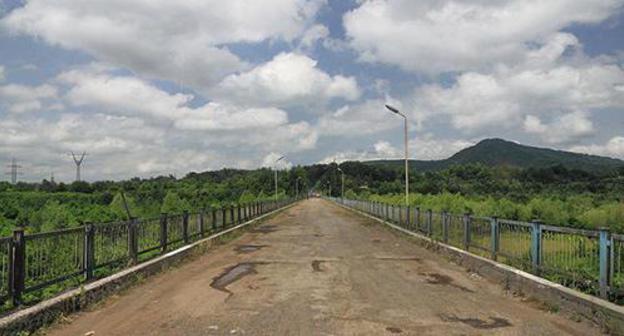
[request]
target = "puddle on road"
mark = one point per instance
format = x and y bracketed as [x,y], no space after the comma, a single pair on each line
[394,330]
[493,323]
[316,265]
[248,248]
[400,258]
[233,274]
[264,229]
[444,280]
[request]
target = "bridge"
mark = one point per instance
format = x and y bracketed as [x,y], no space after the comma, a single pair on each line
[318,269]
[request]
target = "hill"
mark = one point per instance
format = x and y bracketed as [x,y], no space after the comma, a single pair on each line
[499,152]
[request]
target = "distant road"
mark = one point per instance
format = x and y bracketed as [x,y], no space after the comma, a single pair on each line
[317,269]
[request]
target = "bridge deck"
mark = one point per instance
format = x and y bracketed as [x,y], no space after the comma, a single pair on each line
[317,269]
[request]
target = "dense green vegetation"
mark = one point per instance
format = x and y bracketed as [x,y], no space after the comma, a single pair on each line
[550,189]
[556,195]
[47,206]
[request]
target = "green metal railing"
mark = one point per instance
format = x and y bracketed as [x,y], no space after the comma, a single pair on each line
[588,260]
[37,266]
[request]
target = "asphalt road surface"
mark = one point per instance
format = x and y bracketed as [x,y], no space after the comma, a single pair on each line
[318,269]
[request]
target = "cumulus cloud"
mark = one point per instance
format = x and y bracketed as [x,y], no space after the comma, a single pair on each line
[547,84]
[563,129]
[288,79]
[22,98]
[130,96]
[614,147]
[180,41]
[426,147]
[439,36]
[365,118]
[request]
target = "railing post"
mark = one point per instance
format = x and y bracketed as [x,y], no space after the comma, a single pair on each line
[429,222]
[417,218]
[185,218]
[387,212]
[232,221]
[18,269]
[407,217]
[445,219]
[133,243]
[467,231]
[605,246]
[200,223]
[163,232]
[223,217]
[494,238]
[238,209]
[89,250]
[214,220]
[536,246]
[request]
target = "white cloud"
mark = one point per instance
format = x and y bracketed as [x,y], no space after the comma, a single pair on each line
[270,161]
[548,85]
[368,117]
[563,129]
[289,79]
[438,36]
[425,147]
[130,96]
[612,148]
[22,98]
[1,73]
[180,41]
[316,33]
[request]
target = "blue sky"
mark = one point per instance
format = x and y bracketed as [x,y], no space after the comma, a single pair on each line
[161,87]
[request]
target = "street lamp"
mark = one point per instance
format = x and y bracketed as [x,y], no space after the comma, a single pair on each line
[342,186]
[275,167]
[396,111]
[297,185]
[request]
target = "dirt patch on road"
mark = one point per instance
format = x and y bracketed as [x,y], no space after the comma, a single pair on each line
[244,249]
[493,323]
[264,229]
[316,266]
[444,280]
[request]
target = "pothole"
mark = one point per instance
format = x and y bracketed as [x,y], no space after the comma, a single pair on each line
[248,248]
[492,323]
[316,265]
[233,274]
[264,229]
[394,330]
[444,280]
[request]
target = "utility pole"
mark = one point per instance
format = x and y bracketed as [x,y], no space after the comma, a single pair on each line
[275,167]
[78,162]
[342,186]
[14,171]
[396,111]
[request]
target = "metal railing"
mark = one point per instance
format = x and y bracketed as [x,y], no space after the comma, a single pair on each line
[588,260]
[36,266]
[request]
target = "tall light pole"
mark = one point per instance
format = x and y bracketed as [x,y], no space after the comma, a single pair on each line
[297,185]
[342,186]
[275,167]
[396,111]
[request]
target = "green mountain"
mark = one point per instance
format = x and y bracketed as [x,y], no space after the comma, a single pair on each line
[499,152]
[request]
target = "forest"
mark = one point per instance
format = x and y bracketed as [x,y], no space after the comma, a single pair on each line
[556,195]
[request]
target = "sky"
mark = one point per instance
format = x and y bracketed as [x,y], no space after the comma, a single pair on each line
[162,87]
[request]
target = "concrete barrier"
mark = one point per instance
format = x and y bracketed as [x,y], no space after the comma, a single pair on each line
[609,316]
[44,313]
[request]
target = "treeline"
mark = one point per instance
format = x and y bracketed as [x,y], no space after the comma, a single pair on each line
[556,195]
[48,206]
